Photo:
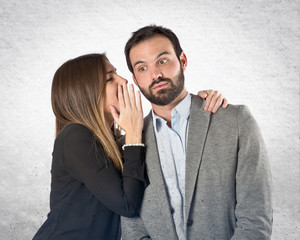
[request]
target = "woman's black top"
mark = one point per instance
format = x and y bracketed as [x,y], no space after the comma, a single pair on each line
[88,194]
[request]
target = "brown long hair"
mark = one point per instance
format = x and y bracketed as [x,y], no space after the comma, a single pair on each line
[77,96]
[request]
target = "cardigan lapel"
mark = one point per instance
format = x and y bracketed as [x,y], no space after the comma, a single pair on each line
[198,128]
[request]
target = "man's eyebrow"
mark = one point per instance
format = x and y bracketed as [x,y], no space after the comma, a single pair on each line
[138,62]
[111,71]
[163,53]
[158,56]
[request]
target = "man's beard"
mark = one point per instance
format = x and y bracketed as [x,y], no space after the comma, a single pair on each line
[167,95]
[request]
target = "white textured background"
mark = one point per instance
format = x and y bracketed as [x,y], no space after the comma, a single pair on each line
[249,50]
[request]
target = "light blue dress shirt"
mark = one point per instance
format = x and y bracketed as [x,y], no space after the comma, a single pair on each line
[171,143]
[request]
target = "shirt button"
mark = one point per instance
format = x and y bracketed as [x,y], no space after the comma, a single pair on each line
[172,210]
[190,222]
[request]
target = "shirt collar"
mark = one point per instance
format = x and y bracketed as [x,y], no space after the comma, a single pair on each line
[182,109]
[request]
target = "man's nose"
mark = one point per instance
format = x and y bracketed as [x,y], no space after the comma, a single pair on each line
[156,73]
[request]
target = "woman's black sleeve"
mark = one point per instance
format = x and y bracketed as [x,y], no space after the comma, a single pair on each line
[121,193]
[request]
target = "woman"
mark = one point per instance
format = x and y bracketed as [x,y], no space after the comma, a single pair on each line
[92,185]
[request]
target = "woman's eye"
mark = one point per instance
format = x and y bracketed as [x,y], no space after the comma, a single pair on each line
[109,79]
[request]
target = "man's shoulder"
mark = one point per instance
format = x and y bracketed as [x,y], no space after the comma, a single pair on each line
[198,104]
[230,110]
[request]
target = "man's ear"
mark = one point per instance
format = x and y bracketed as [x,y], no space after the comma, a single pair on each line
[134,79]
[183,61]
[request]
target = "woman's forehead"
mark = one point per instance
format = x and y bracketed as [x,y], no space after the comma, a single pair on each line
[109,66]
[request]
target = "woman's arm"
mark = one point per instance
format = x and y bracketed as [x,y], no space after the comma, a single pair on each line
[85,160]
[121,193]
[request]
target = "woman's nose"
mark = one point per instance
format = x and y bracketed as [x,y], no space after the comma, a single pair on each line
[121,80]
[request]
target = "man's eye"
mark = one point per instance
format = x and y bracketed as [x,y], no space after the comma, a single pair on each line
[162,61]
[142,69]
[109,79]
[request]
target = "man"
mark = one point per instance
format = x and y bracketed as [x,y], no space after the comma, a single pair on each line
[209,174]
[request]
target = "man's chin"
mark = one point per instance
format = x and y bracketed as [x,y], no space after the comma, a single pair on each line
[161,92]
[160,97]
[161,101]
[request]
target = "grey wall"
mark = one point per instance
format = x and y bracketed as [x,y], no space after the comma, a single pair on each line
[249,50]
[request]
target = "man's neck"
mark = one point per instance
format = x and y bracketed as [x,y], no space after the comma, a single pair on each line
[165,111]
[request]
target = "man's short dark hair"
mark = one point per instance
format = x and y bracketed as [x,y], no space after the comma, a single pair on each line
[148,32]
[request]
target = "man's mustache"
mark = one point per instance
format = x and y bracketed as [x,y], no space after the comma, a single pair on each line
[159,81]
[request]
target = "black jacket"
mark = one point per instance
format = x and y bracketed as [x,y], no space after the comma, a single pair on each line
[87,192]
